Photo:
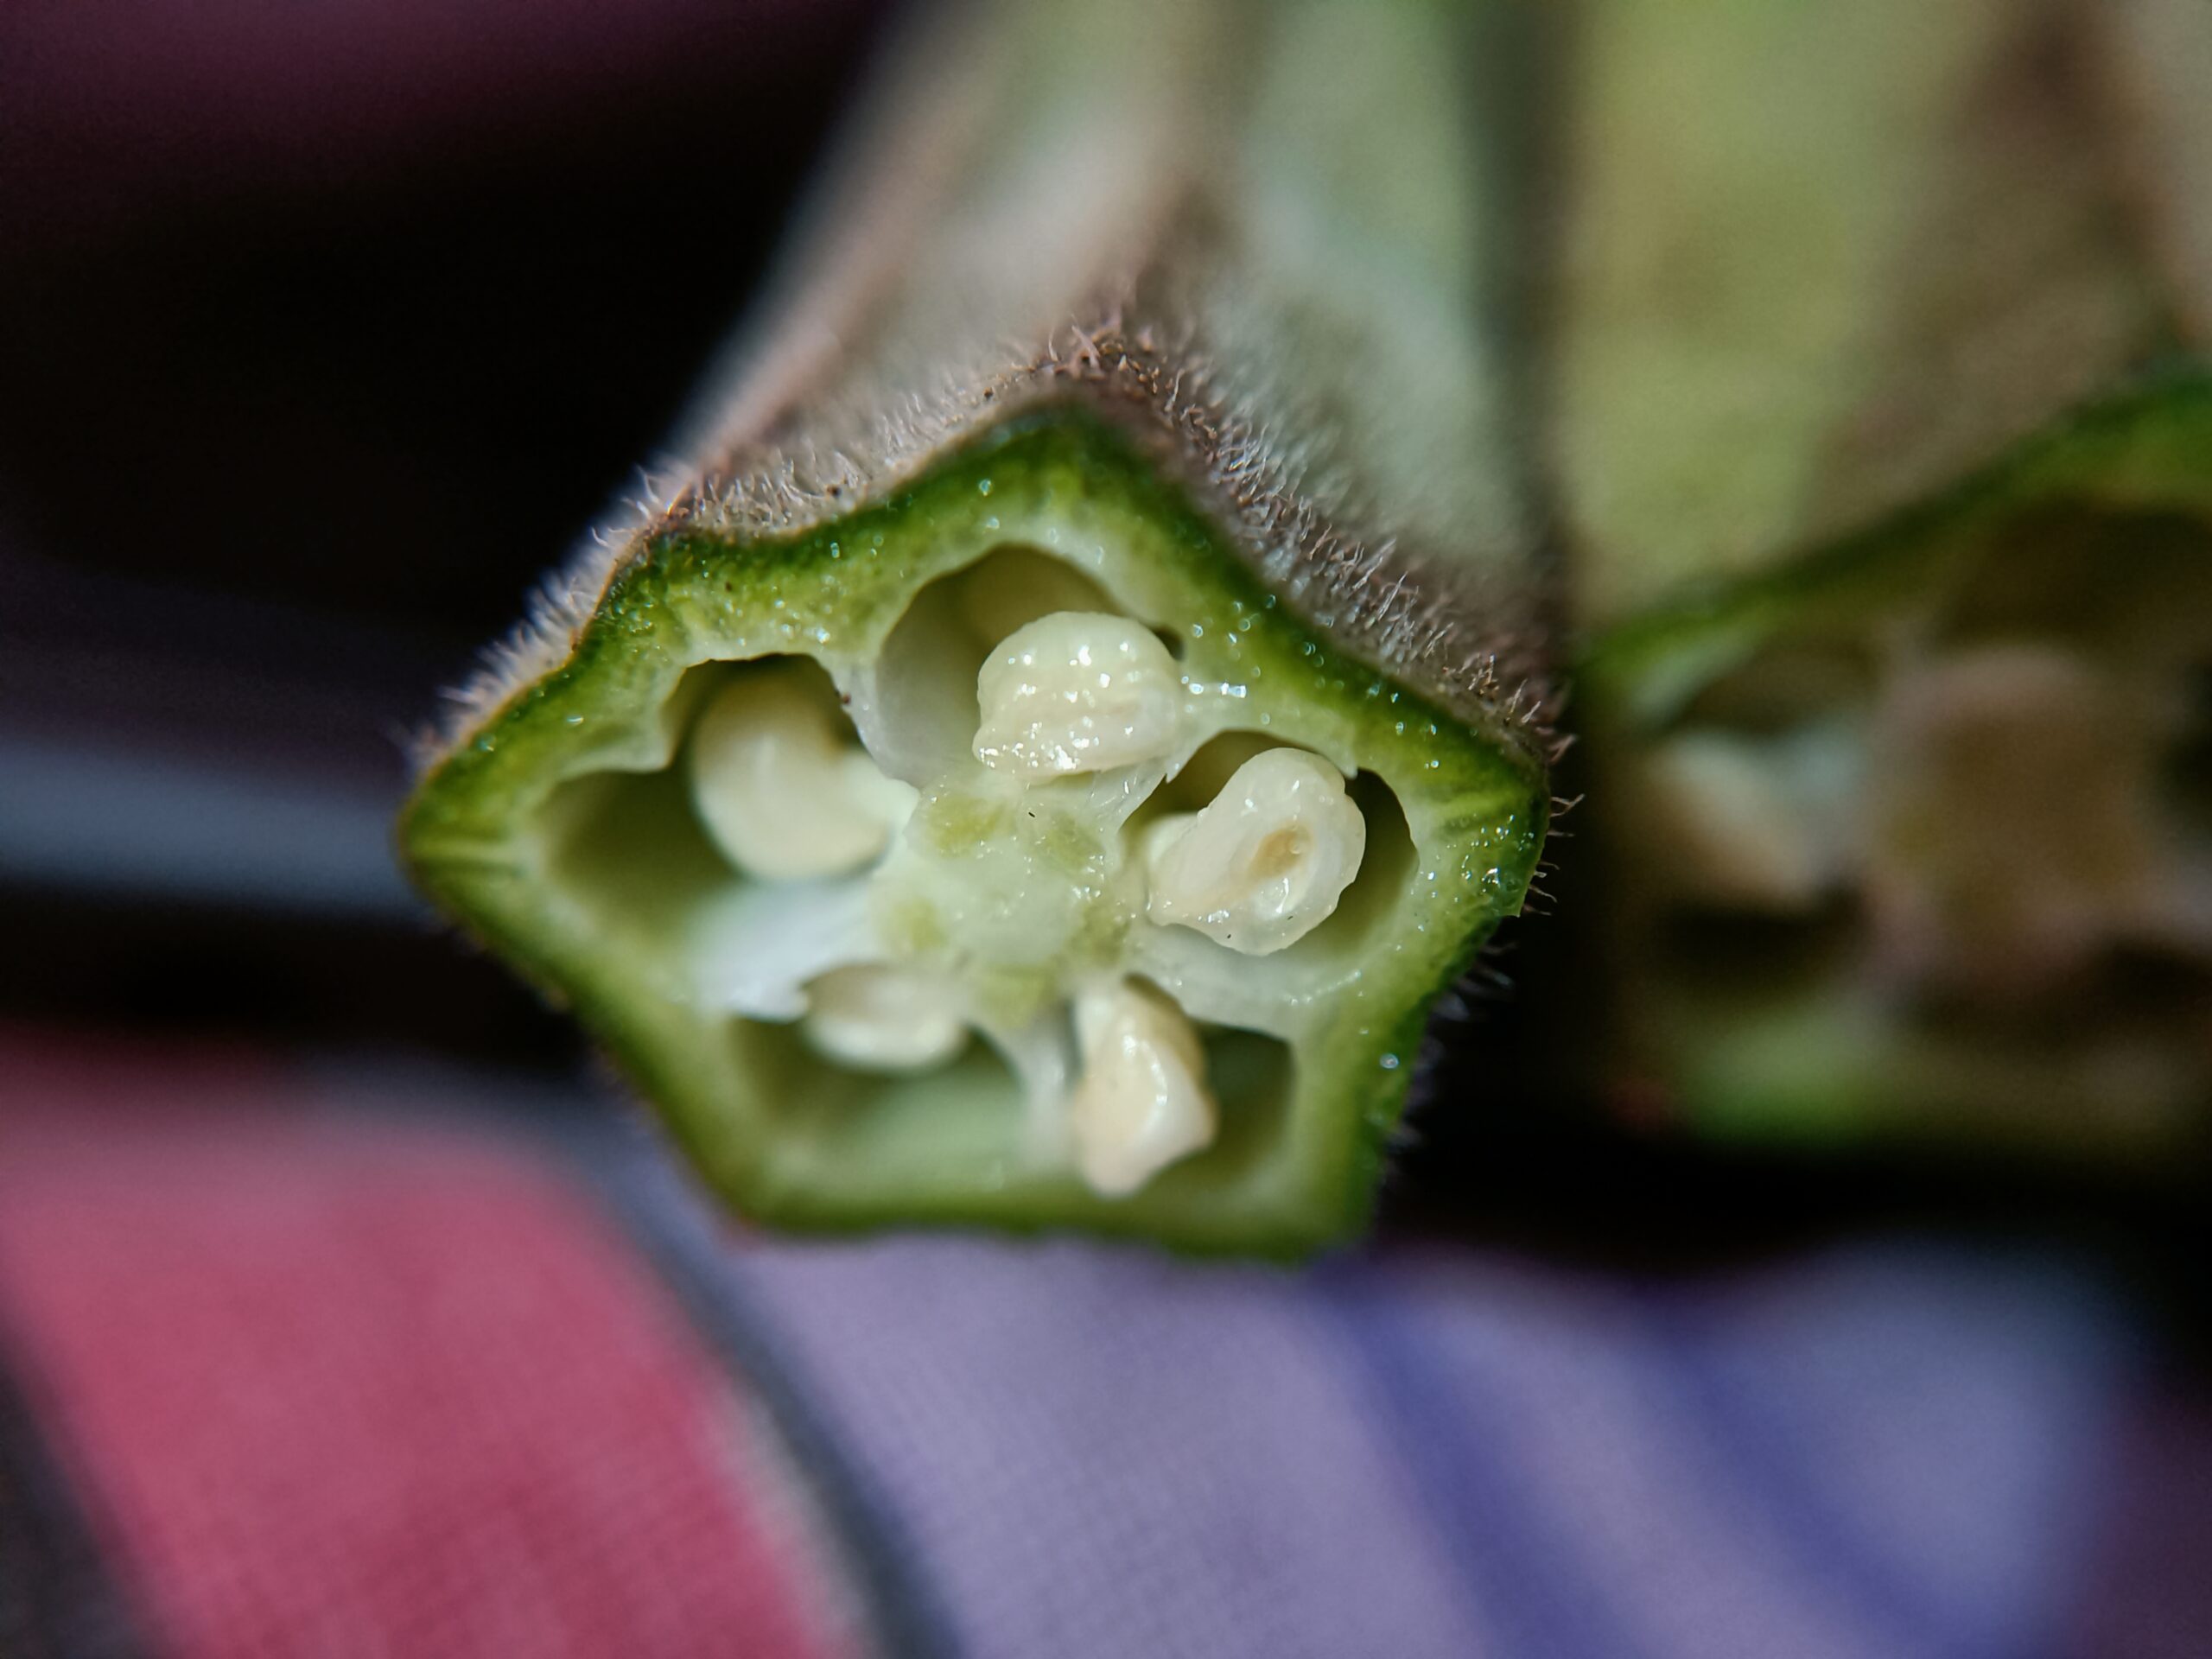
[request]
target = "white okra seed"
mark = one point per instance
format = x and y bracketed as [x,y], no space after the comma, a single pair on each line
[879,1018]
[1077,691]
[1141,1101]
[1264,862]
[781,791]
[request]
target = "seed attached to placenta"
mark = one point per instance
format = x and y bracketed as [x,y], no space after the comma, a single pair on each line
[1141,1102]
[1077,691]
[877,1019]
[1264,862]
[781,791]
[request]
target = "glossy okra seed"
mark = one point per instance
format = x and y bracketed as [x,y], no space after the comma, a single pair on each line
[1077,691]
[1141,1102]
[880,1019]
[1264,863]
[783,796]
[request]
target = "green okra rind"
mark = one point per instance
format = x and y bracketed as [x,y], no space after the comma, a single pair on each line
[1208,343]
[2142,450]
[1882,438]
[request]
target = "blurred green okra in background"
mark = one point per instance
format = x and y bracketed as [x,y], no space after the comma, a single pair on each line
[1884,439]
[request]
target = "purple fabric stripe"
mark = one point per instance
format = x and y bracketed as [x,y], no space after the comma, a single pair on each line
[1558,1360]
[1923,1393]
[1102,1452]
[2149,1594]
[1803,1521]
[2011,1368]
[1107,1454]
[1523,1566]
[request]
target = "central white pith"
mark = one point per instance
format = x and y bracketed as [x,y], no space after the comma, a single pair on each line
[894,925]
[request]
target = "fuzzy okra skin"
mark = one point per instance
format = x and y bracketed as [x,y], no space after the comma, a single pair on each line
[1125,467]
[561,833]
[1896,717]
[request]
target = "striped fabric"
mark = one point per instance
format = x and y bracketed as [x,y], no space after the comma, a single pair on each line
[337,1363]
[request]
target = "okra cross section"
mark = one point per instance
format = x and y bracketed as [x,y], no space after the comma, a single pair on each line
[1002,853]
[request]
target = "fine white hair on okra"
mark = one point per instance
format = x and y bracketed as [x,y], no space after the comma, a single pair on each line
[1476,646]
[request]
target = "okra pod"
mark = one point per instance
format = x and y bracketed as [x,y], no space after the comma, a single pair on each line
[1884,429]
[1072,698]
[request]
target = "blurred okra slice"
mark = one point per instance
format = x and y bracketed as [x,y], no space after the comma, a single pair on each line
[1886,439]
[1071,700]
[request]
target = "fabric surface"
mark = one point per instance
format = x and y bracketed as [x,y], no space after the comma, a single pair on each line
[327,1389]
[351,1362]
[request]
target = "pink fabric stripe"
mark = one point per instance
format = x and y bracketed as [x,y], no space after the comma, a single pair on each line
[341,1389]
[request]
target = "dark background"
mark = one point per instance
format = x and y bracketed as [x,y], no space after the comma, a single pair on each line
[322,331]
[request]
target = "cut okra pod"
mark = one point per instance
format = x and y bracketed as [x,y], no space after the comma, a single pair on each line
[1073,701]
[1885,438]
